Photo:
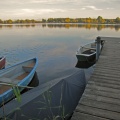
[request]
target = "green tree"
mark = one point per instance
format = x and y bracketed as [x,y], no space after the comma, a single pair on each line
[27,21]
[117,20]
[1,21]
[43,20]
[9,21]
[32,21]
[100,19]
[50,20]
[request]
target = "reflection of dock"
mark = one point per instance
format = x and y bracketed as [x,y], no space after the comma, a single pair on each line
[101,98]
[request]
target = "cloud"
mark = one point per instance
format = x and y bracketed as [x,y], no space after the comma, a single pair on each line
[109,8]
[83,8]
[42,11]
[92,7]
[38,1]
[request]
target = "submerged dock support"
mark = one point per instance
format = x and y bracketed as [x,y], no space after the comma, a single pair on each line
[98,42]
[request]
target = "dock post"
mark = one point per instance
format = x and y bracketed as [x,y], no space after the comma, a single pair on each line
[98,42]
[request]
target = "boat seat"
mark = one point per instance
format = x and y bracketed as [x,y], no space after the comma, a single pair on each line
[31,65]
[27,68]
[9,80]
[89,48]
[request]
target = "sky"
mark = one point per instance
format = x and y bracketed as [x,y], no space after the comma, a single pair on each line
[38,9]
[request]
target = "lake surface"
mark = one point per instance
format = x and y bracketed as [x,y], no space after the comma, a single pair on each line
[55,45]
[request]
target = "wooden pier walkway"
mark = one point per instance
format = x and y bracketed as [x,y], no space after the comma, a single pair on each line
[101,98]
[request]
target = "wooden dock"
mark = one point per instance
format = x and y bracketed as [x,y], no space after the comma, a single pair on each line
[101,98]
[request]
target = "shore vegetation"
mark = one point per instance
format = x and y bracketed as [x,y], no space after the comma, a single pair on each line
[98,20]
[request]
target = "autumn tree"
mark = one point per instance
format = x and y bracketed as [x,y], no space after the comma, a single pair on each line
[88,20]
[67,20]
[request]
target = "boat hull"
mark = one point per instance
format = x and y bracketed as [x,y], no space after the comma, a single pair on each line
[2,62]
[88,59]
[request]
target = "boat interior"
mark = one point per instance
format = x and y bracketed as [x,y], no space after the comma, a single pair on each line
[9,78]
[88,51]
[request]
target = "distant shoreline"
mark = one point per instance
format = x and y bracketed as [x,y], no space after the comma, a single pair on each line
[98,20]
[60,23]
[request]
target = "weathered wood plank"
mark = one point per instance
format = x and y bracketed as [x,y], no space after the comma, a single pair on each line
[100,105]
[84,116]
[106,75]
[102,93]
[105,84]
[101,88]
[101,99]
[104,78]
[106,81]
[98,112]
[107,71]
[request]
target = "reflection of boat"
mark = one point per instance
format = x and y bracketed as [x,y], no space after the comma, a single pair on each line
[87,52]
[84,64]
[20,74]
[2,62]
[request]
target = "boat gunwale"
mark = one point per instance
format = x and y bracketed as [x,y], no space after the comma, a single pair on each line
[2,58]
[87,55]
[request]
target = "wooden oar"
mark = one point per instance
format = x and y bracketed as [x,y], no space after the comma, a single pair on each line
[10,84]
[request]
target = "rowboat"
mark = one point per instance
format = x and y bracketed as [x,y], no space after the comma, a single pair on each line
[2,62]
[19,74]
[87,53]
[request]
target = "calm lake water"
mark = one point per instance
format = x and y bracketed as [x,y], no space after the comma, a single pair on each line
[55,45]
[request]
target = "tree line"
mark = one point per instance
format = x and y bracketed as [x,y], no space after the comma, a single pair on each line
[98,20]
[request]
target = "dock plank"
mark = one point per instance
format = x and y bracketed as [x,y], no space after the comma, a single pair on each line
[84,116]
[98,112]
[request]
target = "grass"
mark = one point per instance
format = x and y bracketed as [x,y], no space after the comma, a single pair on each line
[53,112]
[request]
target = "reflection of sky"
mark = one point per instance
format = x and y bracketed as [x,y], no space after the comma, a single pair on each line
[55,47]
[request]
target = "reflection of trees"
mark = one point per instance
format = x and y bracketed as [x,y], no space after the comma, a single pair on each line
[0,26]
[100,27]
[67,26]
[117,28]
[9,26]
[43,25]
[20,25]
[87,26]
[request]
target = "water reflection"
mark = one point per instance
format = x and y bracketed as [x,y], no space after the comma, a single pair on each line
[55,48]
[33,83]
[84,64]
[99,27]
[87,26]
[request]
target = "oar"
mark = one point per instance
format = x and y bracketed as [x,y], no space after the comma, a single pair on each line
[10,84]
